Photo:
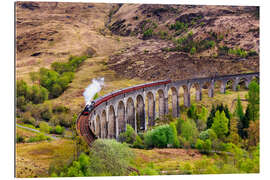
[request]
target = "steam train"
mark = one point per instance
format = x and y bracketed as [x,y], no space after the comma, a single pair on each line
[89,107]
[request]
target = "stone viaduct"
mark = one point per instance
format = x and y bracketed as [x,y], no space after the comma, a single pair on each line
[110,118]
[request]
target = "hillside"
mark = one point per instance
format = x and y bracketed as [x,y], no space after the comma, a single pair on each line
[185,41]
[132,43]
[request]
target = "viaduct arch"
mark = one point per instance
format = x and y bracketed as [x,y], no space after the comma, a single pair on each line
[110,118]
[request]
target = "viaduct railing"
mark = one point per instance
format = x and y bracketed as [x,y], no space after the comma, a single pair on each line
[127,106]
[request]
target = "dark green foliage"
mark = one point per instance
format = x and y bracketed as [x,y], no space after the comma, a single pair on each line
[161,137]
[254,100]
[192,112]
[70,66]
[148,33]
[187,44]
[178,26]
[213,111]
[19,138]
[239,109]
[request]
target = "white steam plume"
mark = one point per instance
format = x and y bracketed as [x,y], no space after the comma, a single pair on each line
[92,89]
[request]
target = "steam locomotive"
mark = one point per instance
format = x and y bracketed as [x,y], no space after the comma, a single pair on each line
[88,108]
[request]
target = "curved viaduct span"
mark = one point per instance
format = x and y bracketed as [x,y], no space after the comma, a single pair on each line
[112,112]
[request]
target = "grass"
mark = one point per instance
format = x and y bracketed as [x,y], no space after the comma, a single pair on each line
[25,133]
[33,159]
[165,161]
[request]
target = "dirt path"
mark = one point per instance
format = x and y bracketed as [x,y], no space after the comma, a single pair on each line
[37,131]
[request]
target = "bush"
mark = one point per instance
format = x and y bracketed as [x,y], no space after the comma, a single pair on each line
[128,136]
[109,157]
[208,134]
[161,137]
[59,129]
[193,50]
[138,143]
[44,127]
[28,119]
[39,137]
[148,33]
[19,138]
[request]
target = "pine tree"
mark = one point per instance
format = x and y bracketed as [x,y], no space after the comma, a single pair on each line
[220,124]
[254,100]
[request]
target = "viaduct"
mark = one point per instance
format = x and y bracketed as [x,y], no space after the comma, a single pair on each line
[109,118]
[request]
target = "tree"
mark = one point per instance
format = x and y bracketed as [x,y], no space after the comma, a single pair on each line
[56,90]
[254,133]
[220,124]
[189,132]
[212,115]
[109,157]
[239,109]
[254,100]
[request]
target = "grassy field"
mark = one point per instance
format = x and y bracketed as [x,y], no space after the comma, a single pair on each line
[33,159]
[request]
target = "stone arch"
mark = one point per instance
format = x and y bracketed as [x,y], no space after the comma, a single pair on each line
[186,90]
[198,88]
[161,103]
[121,117]
[151,109]
[97,128]
[210,85]
[244,82]
[130,112]
[140,113]
[174,98]
[111,123]
[103,124]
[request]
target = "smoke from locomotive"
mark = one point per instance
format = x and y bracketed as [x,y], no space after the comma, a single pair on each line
[92,89]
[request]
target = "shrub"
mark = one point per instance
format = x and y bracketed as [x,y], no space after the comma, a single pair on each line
[44,127]
[148,33]
[128,136]
[39,137]
[161,137]
[28,119]
[193,50]
[38,94]
[109,157]
[19,138]
[59,129]
[138,143]
[208,134]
